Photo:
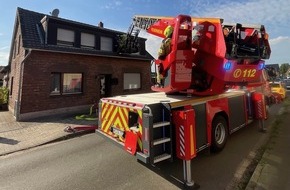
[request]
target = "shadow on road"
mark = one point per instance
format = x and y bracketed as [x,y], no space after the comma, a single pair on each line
[8,141]
[75,119]
[172,174]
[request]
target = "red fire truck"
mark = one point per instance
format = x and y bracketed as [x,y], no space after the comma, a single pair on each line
[196,108]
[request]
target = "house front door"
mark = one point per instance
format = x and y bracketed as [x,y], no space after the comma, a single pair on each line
[105,85]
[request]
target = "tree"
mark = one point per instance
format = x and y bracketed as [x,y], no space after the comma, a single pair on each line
[284,67]
[127,44]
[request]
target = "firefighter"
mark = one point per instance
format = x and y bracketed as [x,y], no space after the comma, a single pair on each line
[163,51]
[226,32]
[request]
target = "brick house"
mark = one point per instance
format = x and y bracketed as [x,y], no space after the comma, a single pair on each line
[61,66]
[1,75]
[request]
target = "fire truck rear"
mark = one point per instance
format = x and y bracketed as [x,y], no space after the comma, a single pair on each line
[162,125]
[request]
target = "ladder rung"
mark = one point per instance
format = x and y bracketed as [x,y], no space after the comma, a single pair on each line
[161,124]
[161,157]
[160,141]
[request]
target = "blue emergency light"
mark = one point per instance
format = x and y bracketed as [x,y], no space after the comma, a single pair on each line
[227,65]
[261,66]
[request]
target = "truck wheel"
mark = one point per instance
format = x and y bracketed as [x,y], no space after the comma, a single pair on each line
[219,134]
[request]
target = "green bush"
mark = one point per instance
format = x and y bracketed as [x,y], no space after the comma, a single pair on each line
[4,95]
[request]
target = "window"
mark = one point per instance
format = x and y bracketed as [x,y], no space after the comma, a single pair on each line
[72,83]
[55,83]
[11,86]
[66,83]
[87,40]
[65,37]
[132,81]
[14,49]
[106,44]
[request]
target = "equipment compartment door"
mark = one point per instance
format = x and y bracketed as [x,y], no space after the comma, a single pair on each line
[200,125]
[237,112]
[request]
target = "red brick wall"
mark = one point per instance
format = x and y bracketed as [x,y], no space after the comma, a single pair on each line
[37,78]
[15,69]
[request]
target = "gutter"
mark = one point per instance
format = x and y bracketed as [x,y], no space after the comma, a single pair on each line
[95,55]
[18,102]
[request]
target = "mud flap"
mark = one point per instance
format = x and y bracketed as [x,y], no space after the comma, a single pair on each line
[131,142]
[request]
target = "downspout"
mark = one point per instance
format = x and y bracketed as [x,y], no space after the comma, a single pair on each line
[18,102]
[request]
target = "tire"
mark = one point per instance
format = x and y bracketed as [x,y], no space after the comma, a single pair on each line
[219,133]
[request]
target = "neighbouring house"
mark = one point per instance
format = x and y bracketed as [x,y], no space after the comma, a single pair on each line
[1,75]
[4,71]
[59,66]
[273,70]
[288,73]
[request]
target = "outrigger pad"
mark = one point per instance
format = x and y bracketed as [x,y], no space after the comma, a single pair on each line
[131,142]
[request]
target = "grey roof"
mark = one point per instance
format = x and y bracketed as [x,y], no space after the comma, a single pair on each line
[28,23]
[33,39]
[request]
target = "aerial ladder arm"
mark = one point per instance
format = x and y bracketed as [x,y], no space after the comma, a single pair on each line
[140,22]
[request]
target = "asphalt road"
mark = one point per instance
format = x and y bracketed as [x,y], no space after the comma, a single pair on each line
[90,162]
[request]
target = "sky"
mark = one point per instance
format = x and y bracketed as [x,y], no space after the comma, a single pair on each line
[117,15]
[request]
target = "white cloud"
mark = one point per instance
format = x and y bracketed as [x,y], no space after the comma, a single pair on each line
[118,3]
[280,39]
[247,11]
[4,57]
[3,48]
[274,14]
[280,47]
[113,5]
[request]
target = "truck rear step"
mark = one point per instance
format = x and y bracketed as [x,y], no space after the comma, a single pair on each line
[162,143]
[161,140]
[161,124]
[161,157]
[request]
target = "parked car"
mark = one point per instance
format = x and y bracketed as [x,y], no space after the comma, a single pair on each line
[287,83]
[279,88]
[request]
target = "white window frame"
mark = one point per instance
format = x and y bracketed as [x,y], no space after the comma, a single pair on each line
[87,40]
[106,44]
[65,37]
[132,81]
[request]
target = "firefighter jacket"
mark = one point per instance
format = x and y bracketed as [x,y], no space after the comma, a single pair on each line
[164,49]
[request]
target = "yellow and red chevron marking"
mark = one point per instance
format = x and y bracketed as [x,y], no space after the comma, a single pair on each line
[118,116]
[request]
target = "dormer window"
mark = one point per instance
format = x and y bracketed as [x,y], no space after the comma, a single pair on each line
[65,37]
[106,44]
[87,40]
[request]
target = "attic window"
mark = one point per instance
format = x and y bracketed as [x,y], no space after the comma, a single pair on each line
[65,37]
[87,40]
[106,43]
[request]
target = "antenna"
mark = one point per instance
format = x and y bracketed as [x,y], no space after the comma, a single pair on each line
[55,12]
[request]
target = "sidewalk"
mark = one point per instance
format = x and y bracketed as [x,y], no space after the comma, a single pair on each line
[16,136]
[273,170]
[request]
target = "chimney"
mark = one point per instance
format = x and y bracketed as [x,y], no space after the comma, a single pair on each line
[101,25]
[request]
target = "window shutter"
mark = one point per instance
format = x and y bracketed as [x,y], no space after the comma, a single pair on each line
[87,40]
[132,81]
[106,44]
[65,35]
